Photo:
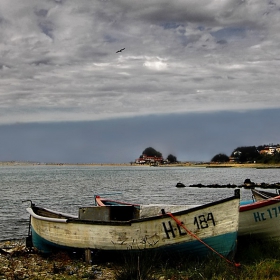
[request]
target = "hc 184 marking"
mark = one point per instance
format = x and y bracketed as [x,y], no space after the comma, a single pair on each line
[201,222]
[271,213]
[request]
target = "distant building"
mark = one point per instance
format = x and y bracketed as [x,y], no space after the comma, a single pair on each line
[233,159]
[149,160]
[269,150]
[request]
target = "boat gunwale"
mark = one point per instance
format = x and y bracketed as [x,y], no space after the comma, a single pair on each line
[30,210]
[259,204]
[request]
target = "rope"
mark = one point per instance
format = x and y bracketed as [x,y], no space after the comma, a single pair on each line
[179,223]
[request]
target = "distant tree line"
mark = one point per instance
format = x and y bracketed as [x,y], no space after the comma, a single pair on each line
[151,152]
[241,154]
[249,154]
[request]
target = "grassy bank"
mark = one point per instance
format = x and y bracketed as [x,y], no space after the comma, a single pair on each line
[259,260]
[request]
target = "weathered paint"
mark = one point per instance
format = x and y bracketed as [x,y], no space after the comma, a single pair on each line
[214,223]
[223,244]
[261,218]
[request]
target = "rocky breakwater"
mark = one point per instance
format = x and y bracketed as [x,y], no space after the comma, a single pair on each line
[248,184]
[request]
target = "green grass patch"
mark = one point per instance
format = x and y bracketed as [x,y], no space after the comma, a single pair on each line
[259,260]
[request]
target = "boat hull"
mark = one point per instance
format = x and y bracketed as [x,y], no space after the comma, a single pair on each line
[223,244]
[260,219]
[215,223]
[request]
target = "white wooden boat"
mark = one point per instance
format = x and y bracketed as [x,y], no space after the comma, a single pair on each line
[261,195]
[197,231]
[260,218]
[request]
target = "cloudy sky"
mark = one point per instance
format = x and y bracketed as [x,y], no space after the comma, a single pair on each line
[196,78]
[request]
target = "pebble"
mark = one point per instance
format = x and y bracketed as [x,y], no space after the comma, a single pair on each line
[17,262]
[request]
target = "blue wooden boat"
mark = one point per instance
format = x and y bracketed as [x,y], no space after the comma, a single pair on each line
[196,231]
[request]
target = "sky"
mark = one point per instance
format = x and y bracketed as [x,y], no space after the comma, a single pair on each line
[194,78]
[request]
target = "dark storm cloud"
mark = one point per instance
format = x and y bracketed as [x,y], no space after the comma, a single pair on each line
[208,54]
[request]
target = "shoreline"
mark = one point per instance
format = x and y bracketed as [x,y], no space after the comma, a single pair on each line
[19,262]
[182,164]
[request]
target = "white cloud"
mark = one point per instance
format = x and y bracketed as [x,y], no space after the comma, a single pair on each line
[156,64]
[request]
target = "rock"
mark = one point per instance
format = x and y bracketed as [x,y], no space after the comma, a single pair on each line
[248,182]
[180,185]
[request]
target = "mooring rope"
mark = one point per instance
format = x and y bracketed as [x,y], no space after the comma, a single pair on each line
[179,223]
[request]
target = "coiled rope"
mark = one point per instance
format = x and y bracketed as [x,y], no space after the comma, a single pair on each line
[179,223]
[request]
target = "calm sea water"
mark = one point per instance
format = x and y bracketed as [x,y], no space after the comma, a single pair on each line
[66,188]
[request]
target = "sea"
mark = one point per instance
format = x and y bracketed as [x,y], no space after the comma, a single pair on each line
[65,188]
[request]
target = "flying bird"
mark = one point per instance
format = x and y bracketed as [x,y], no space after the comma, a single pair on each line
[120,50]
